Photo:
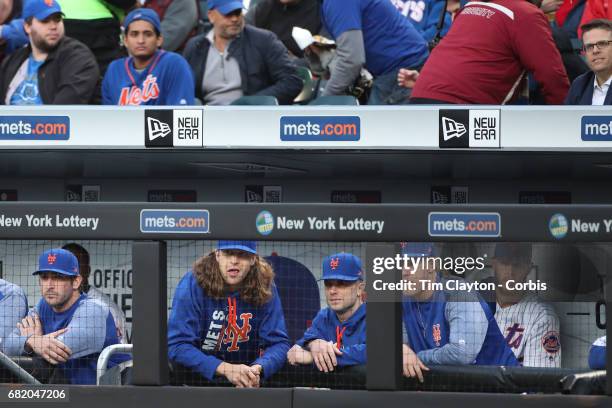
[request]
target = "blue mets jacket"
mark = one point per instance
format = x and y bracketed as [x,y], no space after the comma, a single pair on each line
[350,335]
[203,331]
[455,328]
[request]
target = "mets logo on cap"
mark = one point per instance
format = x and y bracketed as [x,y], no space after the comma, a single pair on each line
[342,266]
[334,263]
[58,261]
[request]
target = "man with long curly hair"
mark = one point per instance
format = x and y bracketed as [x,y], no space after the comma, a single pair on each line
[227,319]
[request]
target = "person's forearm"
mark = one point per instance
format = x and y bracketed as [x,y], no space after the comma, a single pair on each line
[350,57]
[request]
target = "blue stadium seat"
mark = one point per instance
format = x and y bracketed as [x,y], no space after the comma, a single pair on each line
[308,90]
[299,294]
[347,100]
[256,100]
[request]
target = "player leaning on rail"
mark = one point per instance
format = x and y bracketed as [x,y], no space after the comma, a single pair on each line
[337,336]
[66,328]
[446,327]
[227,318]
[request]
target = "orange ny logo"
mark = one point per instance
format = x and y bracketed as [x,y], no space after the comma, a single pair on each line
[235,334]
[49,3]
[51,259]
[436,334]
[334,263]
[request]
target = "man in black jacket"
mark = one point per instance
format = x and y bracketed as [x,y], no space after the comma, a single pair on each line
[280,16]
[53,69]
[593,87]
[234,60]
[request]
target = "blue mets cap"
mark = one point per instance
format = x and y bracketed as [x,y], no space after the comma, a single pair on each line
[145,14]
[516,251]
[225,6]
[342,266]
[418,249]
[40,9]
[247,246]
[59,261]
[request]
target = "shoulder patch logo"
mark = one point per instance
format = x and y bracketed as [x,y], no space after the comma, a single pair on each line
[551,342]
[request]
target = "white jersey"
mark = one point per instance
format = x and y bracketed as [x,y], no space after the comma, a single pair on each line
[531,329]
[118,315]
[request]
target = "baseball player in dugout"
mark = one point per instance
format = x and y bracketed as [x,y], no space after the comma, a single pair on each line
[226,319]
[13,308]
[65,328]
[93,293]
[337,336]
[150,75]
[530,326]
[446,326]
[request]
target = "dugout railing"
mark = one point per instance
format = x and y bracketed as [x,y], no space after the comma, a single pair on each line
[383,379]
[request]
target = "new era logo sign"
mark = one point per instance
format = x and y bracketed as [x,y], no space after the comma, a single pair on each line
[157,129]
[463,128]
[174,128]
[452,128]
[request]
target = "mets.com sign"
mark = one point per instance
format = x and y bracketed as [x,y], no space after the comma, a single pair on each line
[596,128]
[34,127]
[456,224]
[320,128]
[175,221]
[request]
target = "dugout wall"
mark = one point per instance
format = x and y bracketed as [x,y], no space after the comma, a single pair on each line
[128,222]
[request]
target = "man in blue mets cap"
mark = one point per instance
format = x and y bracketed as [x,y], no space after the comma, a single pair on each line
[337,336]
[235,59]
[65,328]
[227,319]
[53,69]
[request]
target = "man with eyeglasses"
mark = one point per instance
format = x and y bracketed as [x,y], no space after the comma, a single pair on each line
[592,88]
[530,326]
[234,60]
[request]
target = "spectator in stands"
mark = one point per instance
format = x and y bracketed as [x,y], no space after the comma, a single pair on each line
[425,16]
[569,15]
[530,326]
[597,354]
[280,16]
[449,326]
[595,9]
[150,76]
[179,20]
[486,55]
[54,69]
[85,270]
[227,318]
[593,87]
[12,34]
[13,308]
[372,33]
[337,336]
[233,60]
[66,328]
[96,23]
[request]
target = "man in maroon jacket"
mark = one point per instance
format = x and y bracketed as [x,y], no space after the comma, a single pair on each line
[487,53]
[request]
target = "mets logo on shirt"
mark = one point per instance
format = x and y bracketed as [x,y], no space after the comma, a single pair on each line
[551,342]
[437,336]
[132,95]
[235,334]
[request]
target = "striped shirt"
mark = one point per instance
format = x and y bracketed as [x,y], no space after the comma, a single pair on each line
[531,330]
